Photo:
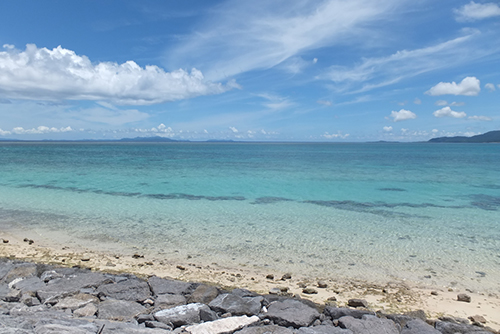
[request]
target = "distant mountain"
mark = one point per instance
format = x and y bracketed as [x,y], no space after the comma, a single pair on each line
[155,139]
[488,137]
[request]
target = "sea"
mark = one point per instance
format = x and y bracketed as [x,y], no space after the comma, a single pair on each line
[420,212]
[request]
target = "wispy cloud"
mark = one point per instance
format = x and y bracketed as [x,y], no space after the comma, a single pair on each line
[477,11]
[242,36]
[61,74]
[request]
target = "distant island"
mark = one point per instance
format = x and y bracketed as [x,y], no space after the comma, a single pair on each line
[488,137]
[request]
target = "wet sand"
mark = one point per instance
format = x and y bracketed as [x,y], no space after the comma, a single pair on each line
[391,296]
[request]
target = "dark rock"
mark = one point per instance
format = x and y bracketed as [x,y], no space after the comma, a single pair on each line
[161,286]
[286,276]
[131,290]
[88,310]
[357,303]
[478,319]
[181,315]
[418,326]
[270,329]
[275,291]
[291,313]
[270,276]
[243,293]
[208,315]
[462,297]
[368,324]
[418,314]
[119,310]
[452,328]
[29,299]
[157,324]
[75,302]
[338,312]
[309,291]
[434,293]
[29,284]
[49,275]
[144,317]
[203,294]
[322,285]
[20,270]
[236,305]
[323,330]
[169,301]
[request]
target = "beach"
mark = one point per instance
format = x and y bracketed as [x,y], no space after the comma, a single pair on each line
[389,297]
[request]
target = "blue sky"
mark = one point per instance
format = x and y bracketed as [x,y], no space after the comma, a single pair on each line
[294,70]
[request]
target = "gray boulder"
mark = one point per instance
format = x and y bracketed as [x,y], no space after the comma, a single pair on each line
[221,326]
[119,310]
[339,312]
[204,294]
[418,326]
[270,329]
[130,289]
[29,284]
[181,315]
[369,324]
[452,328]
[161,286]
[19,270]
[169,301]
[323,330]
[229,303]
[75,302]
[292,313]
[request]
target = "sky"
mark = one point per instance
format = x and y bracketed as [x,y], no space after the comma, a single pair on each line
[280,70]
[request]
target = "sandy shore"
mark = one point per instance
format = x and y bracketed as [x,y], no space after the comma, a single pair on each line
[392,297]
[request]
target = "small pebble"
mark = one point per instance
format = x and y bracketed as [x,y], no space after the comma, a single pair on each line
[462,297]
[357,303]
[270,276]
[478,319]
[137,256]
[309,291]
[181,268]
[434,293]
[85,259]
[322,285]
[30,242]
[286,276]
[5,241]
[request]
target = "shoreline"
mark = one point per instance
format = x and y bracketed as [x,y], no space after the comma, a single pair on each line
[391,296]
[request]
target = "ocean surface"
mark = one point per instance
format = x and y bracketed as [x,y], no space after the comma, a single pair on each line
[428,213]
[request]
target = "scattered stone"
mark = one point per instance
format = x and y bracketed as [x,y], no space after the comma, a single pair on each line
[5,241]
[357,303]
[227,325]
[270,276]
[157,324]
[181,315]
[434,293]
[322,285]
[463,297]
[30,242]
[275,291]
[477,318]
[309,291]
[137,256]
[181,267]
[286,276]
[85,259]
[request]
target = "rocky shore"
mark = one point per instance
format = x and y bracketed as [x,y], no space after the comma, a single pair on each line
[42,299]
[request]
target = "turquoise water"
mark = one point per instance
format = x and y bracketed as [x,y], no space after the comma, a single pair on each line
[424,212]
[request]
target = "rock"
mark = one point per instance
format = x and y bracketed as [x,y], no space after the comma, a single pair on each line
[220,326]
[291,313]
[5,241]
[236,305]
[368,324]
[286,276]
[88,310]
[120,310]
[85,259]
[21,270]
[323,330]
[161,286]
[157,324]
[478,319]
[169,301]
[243,293]
[49,275]
[338,312]
[208,315]
[132,290]
[452,328]
[76,302]
[70,285]
[322,284]
[357,303]
[11,295]
[434,293]
[418,314]
[203,294]
[463,297]
[181,315]
[268,329]
[418,326]
[29,299]
[275,291]
[270,276]
[62,329]
[309,291]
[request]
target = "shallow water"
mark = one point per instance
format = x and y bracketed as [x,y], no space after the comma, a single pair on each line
[424,212]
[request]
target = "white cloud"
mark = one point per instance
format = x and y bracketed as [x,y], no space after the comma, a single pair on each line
[476,11]
[470,86]
[315,60]
[233,129]
[335,135]
[387,128]
[325,102]
[490,87]
[3,132]
[402,115]
[61,74]
[276,102]
[457,104]
[480,118]
[246,35]
[40,130]
[441,103]
[447,112]
[417,101]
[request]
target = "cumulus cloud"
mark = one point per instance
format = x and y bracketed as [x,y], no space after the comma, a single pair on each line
[39,130]
[480,118]
[61,74]
[469,86]
[447,112]
[490,87]
[4,133]
[233,129]
[387,128]
[338,135]
[476,11]
[402,115]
